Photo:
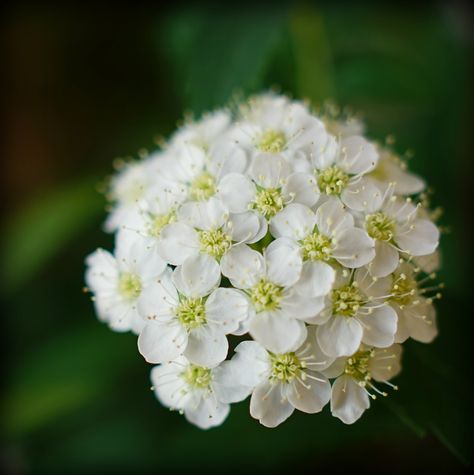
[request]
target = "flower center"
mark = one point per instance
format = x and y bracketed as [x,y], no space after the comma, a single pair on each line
[346,300]
[268,202]
[316,247]
[214,242]
[271,141]
[380,226]
[332,180]
[266,295]
[203,187]
[357,366]
[285,367]
[403,289]
[129,286]
[191,312]
[197,376]
[158,222]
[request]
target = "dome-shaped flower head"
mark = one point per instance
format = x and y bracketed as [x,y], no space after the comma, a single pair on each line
[324,239]
[118,281]
[355,376]
[187,315]
[357,311]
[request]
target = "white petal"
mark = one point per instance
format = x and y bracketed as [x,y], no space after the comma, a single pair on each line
[295,221]
[158,298]
[348,400]
[336,368]
[210,214]
[269,406]
[226,308]
[357,155]
[276,332]
[262,231]
[317,279]
[379,327]
[251,363]
[269,170]
[169,387]
[243,227]
[294,305]
[197,276]
[385,261]
[178,242]
[160,343]
[362,195]
[236,191]
[340,336]
[385,364]
[312,396]
[208,413]
[206,346]
[311,347]
[226,384]
[331,218]
[102,272]
[243,266]
[419,238]
[301,188]
[354,248]
[283,261]
[421,322]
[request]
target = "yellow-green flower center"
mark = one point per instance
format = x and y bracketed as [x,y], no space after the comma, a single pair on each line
[268,201]
[214,242]
[191,312]
[158,222]
[197,376]
[332,180]
[380,226]
[286,367]
[316,247]
[129,286]
[357,366]
[203,187]
[266,295]
[271,141]
[403,289]
[346,300]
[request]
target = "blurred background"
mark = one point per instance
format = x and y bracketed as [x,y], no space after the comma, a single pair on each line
[84,85]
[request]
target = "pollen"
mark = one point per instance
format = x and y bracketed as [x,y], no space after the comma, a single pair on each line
[357,366]
[203,187]
[285,367]
[191,313]
[380,226]
[158,222]
[346,300]
[332,180]
[197,376]
[404,289]
[316,247]
[215,242]
[268,202]
[266,295]
[129,286]
[271,141]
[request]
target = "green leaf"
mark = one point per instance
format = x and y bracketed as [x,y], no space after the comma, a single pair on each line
[313,58]
[44,228]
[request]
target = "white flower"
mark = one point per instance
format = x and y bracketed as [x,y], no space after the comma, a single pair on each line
[396,228]
[282,382]
[414,307]
[119,281]
[355,375]
[357,310]
[206,228]
[268,280]
[203,394]
[187,315]
[323,238]
[342,174]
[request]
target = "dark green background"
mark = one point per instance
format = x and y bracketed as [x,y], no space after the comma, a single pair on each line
[85,85]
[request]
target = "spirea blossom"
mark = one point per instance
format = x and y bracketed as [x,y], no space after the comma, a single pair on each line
[269,252]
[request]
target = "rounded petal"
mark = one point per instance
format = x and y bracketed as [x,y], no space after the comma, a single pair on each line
[236,191]
[317,279]
[276,332]
[269,170]
[251,363]
[158,298]
[206,346]
[301,188]
[294,305]
[419,238]
[169,387]
[243,227]
[385,364]
[348,400]
[226,383]
[354,248]
[197,276]
[243,266]
[311,396]
[206,215]
[161,343]
[268,405]
[331,218]
[421,322]
[362,195]
[295,221]
[385,261]
[283,261]
[226,308]
[208,413]
[102,271]
[379,326]
[357,155]
[340,336]
[318,361]
[178,242]
[262,231]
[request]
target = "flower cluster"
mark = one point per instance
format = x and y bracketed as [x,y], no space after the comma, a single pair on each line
[290,238]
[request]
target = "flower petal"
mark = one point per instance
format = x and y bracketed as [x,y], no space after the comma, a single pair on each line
[169,387]
[419,238]
[317,279]
[178,242]
[301,188]
[348,400]
[379,327]
[161,343]
[283,261]
[210,214]
[226,384]
[226,308]
[243,266]
[312,396]
[295,221]
[340,336]
[243,227]
[354,248]
[236,191]
[385,260]
[357,155]
[362,195]
[294,305]
[385,363]
[269,170]
[331,218]
[207,346]
[268,405]
[208,413]
[197,276]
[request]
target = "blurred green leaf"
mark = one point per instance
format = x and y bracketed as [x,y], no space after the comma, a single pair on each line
[313,59]
[44,227]
[219,52]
